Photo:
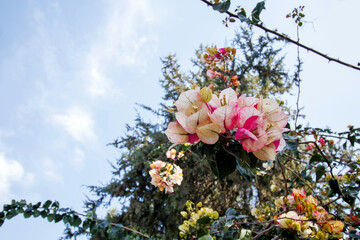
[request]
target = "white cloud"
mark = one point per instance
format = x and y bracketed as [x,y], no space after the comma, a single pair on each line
[77,158]
[11,171]
[126,39]
[51,170]
[77,123]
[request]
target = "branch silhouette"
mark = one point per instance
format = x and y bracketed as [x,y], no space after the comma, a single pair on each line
[274,32]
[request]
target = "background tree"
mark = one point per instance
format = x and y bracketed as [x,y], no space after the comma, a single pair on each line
[259,69]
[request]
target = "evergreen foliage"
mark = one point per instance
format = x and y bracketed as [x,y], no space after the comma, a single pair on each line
[260,71]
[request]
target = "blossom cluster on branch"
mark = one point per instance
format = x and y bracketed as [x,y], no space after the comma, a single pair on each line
[256,123]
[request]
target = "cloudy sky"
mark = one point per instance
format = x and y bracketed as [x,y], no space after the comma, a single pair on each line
[72,71]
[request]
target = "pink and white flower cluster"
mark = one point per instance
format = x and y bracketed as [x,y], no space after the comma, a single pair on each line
[310,219]
[257,123]
[165,175]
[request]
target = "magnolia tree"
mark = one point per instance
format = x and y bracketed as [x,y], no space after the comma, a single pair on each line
[303,182]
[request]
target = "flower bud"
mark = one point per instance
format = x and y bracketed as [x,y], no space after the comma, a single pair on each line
[206,93]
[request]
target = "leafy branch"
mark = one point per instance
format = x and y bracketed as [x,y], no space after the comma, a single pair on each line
[255,21]
[86,223]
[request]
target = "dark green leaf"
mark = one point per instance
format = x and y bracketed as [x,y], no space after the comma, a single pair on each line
[1,222]
[354,235]
[36,213]
[202,232]
[223,164]
[55,204]
[2,215]
[22,203]
[47,204]
[246,164]
[36,206]
[320,171]
[316,158]
[50,217]
[222,7]
[43,214]
[20,210]
[256,11]
[58,217]
[204,220]
[11,214]
[27,214]
[292,143]
[242,17]
[76,221]
[334,185]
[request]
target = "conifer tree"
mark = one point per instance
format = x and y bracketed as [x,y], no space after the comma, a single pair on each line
[259,69]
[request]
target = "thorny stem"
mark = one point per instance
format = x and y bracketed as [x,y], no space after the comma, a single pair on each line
[283,36]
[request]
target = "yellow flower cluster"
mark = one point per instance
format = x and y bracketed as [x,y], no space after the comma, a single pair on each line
[196,217]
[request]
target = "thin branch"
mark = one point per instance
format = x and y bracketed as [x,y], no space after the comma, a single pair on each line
[298,160]
[322,154]
[274,32]
[332,201]
[117,225]
[298,78]
[283,174]
[302,179]
[264,232]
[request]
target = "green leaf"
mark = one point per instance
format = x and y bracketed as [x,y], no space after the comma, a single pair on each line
[354,235]
[230,213]
[334,185]
[11,214]
[76,221]
[36,213]
[242,16]
[316,158]
[205,237]
[47,204]
[58,218]
[43,214]
[36,206]
[222,7]
[204,220]
[223,165]
[256,11]
[320,171]
[245,163]
[22,203]
[19,210]
[27,214]
[50,217]
[292,143]
[1,222]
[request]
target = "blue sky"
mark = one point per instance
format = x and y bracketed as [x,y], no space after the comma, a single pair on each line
[72,71]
